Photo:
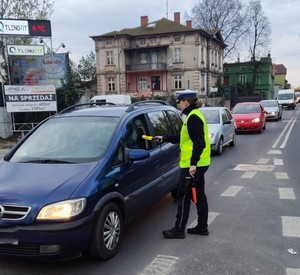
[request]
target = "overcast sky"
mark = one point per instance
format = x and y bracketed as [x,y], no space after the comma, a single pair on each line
[74,21]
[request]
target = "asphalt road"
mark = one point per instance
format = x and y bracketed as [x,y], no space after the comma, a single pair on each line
[254,220]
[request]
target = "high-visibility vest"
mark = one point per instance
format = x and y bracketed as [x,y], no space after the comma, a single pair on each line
[186,144]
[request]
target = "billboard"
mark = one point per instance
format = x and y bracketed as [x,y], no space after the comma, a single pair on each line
[25,27]
[33,98]
[39,70]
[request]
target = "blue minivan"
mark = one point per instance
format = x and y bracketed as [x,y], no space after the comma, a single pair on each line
[69,186]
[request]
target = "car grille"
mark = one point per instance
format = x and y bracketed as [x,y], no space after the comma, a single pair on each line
[13,212]
[22,249]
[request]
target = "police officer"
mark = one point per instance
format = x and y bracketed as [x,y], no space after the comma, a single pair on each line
[194,162]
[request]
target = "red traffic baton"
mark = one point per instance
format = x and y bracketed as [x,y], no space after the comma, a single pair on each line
[194,195]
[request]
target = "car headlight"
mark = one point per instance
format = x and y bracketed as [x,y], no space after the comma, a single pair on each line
[256,120]
[62,210]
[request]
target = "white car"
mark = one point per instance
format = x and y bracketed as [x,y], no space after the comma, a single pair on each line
[273,109]
[221,126]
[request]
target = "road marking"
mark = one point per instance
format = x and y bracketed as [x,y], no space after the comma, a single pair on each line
[281,175]
[292,271]
[263,161]
[288,134]
[231,191]
[248,175]
[274,152]
[161,265]
[290,226]
[254,167]
[286,194]
[278,162]
[211,217]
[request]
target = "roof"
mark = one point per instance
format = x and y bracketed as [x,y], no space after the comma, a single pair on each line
[280,69]
[162,26]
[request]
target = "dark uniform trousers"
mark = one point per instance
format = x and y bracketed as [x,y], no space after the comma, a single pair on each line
[184,199]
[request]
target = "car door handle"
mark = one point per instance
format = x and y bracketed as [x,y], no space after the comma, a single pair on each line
[156,164]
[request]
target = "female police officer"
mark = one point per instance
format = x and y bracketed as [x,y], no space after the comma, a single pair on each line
[194,162]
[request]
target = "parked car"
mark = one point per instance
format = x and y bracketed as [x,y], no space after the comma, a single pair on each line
[249,116]
[71,184]
[221,126]
[273,109]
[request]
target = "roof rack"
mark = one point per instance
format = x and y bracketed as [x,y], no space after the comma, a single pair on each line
[145,102]
[90,104]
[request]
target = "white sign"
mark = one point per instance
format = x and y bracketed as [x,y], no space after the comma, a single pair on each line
[35,98]
[25,50]
[214,89]
[17,27]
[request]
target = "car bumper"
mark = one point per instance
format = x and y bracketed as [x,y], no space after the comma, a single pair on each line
[54,241]
[248,127]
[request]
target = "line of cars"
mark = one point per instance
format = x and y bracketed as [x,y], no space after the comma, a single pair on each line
[244,117]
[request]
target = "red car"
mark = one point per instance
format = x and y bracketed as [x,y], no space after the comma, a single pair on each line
[249,116]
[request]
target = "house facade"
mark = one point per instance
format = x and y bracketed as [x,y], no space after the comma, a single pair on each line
[158,58]
[239,74]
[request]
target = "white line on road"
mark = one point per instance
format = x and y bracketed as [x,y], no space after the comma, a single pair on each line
[292,271]
[161,265]
[282,133]
[281,175]
[278,162]
[274,152]
[290,226]
[211,217]
[286,194]
[248,175]
[263,161]
[231,191]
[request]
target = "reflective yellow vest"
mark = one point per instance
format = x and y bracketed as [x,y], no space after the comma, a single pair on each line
[186,144]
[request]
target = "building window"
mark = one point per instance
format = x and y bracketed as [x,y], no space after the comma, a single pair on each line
[202,55]
[142,83]
[227,70]
[153,41]
[242,79]
[111,84]
[143,42]
[202,82]
[108,42]
[109,57]
[178,82]
[177,55]
[226,80]
[243,68]
[177,38]
[143,58]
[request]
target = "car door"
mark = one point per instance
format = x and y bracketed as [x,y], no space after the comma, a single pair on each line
[228,128]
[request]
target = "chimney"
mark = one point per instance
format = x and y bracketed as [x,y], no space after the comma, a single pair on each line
[189,23]
[144,21]
[177,17]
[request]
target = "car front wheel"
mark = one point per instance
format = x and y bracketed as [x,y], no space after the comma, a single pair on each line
[220,147]
[108,233]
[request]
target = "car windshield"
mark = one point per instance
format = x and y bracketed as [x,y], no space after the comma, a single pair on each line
[285,96]
[67,140]
[269,103]
[245,109]
[211,116]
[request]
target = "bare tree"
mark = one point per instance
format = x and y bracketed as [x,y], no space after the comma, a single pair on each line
[228,16]
[258,34]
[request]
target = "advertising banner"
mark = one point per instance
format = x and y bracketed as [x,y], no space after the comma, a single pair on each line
[25,50]
[35,98]
[39,70]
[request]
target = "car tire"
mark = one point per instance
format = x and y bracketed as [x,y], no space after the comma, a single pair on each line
[107,234]
[233,141]
[219,150]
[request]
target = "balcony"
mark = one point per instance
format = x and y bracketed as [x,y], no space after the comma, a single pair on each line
[147,67]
